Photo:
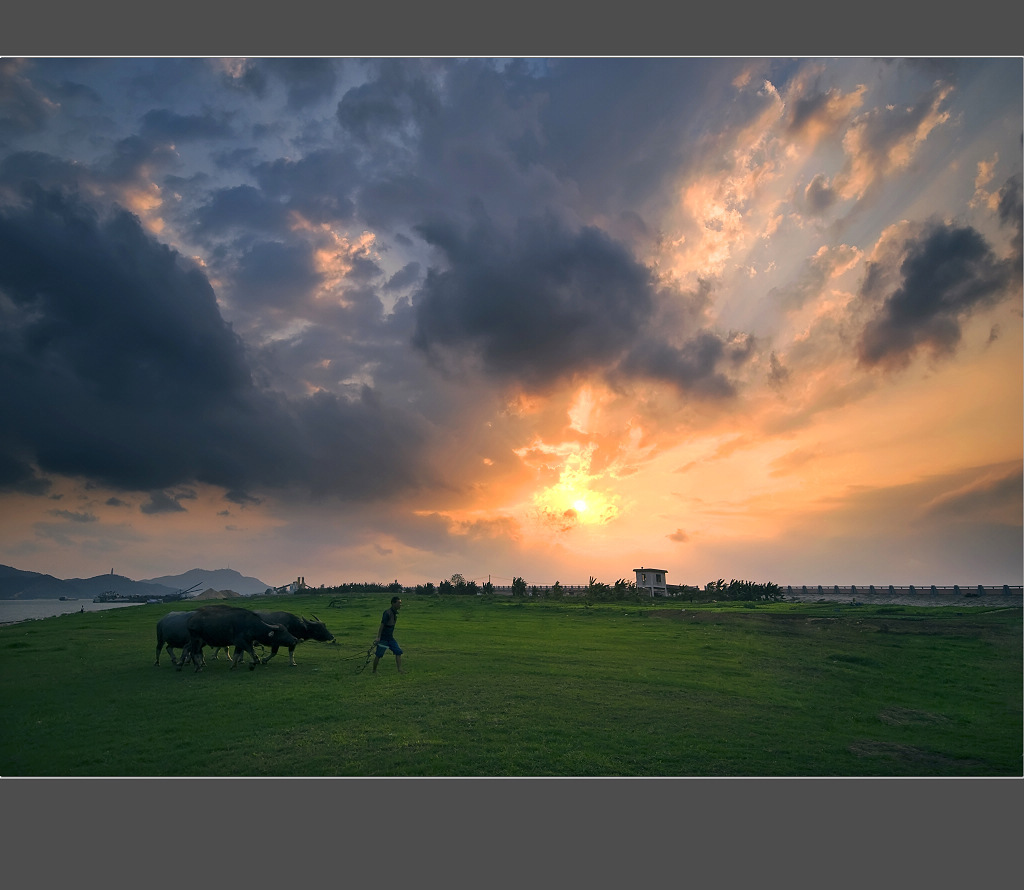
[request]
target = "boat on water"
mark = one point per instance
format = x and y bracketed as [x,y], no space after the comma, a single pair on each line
[111,596]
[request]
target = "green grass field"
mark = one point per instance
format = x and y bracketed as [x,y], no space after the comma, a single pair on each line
[501,687]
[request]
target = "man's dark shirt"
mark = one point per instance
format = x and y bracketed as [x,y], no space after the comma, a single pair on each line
[387,621]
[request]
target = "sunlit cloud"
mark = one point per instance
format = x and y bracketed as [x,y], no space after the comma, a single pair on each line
[883,141]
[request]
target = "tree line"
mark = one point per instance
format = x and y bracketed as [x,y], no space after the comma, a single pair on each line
[621,589]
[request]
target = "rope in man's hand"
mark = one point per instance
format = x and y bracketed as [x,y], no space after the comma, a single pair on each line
[369,656]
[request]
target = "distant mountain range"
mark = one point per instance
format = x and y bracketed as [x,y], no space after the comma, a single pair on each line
[218,579]
[18,584]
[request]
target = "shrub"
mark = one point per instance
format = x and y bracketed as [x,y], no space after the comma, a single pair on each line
[744,591]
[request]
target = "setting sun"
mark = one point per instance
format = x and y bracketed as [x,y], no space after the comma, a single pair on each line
[577,498]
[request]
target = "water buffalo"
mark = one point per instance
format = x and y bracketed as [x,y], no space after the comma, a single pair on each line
[300,628]
[219,625]
[172,632]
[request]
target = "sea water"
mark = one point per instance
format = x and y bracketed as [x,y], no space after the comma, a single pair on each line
[25,610]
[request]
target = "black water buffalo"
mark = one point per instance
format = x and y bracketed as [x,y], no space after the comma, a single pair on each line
[300,628]
[220,625]
[172,632]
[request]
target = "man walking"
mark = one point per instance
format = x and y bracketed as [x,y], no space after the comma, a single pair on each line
[386,635]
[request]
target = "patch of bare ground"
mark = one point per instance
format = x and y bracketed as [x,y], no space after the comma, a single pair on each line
[909,754]
[946,623]
[908,716]
[701,615]
[919,757]
[693,614]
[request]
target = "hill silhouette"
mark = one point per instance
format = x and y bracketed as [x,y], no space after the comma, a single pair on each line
[20,584]
[219,579]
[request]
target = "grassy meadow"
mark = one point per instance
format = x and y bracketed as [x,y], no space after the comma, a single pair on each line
[501,687]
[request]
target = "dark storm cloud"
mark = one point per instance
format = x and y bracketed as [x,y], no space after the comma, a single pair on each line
[161,81]
[18,475]
[395,201]
[236,158]
[409,274]
[122,165]
[946,273]
[274,273]
[1011,209]
[360,448]
[438,137]
[107,326]
[161,502]
[249,77]
[590,123]
[163,124]
[37,167]
[34,91]
[23,108]
[692,368]
[306,80]
[130,155]
[242,206]
[129,376]
[320,185]
[535,305]
[68,91]
[390,103]
[363,270]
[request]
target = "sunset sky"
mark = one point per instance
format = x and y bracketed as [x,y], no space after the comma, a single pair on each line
[376,319]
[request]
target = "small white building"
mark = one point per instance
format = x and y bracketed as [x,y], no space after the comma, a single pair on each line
[651,580]
[294,587]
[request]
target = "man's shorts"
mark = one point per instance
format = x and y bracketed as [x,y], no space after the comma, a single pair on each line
[383,647]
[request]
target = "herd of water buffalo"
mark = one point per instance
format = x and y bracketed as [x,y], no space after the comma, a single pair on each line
[226,627]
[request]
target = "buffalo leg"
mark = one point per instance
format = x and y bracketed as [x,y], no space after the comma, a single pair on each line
[186,654]
[195,654]
[240,653]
